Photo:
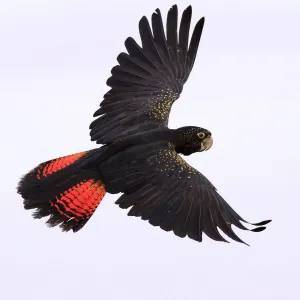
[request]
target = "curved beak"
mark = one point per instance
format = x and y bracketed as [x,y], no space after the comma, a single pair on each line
[206,144]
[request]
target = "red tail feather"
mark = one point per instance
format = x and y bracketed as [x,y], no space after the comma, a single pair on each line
[63,189]
[80,201]
[55,165]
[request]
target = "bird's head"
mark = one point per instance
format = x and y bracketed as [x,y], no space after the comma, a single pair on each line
[194,139]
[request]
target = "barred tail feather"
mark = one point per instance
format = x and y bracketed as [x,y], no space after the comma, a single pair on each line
[67,189]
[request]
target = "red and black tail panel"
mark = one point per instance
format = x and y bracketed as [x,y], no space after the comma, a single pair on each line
[47,168]
[67,189]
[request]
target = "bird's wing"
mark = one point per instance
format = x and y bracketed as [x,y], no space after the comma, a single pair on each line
[148,79]
[163,188]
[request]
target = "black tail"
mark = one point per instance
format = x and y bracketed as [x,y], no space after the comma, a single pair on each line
[67,189]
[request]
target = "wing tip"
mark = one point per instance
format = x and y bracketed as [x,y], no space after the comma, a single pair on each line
[142,20]
[157,11]
[174,6]
[200,23]
[259,229]
[188,10]
[262,223]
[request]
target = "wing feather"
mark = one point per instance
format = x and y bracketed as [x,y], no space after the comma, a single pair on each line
[136,51]
[185,29]
[148,42]
[194,44]
[150,76]
[138,66]
[159,35]
[162,188]
[172,20]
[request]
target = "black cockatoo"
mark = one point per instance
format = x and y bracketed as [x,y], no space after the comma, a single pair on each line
[140,156]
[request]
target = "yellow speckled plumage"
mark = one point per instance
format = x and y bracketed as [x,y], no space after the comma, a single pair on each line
[160,105]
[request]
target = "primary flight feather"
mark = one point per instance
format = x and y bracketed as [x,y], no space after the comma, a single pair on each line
[140,156]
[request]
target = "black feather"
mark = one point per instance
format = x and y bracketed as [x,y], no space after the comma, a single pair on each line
[159,35]
[148,42]
[184,30]
[136,51]
[172,20]
[194,44]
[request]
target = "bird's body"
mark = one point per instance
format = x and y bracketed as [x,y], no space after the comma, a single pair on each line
[141,156]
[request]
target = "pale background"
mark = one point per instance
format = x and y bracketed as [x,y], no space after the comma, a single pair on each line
[55,57]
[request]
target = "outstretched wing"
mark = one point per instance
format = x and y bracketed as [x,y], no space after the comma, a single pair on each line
[148,79]
[161,187]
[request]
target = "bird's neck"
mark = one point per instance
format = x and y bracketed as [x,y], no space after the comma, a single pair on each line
[159,134]
[170,135]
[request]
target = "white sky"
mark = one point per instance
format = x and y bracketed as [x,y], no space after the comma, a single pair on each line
[55,57]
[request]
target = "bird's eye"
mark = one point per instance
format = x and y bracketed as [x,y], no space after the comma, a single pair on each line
[201,135]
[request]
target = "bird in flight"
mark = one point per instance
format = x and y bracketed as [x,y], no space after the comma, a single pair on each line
[139,155]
